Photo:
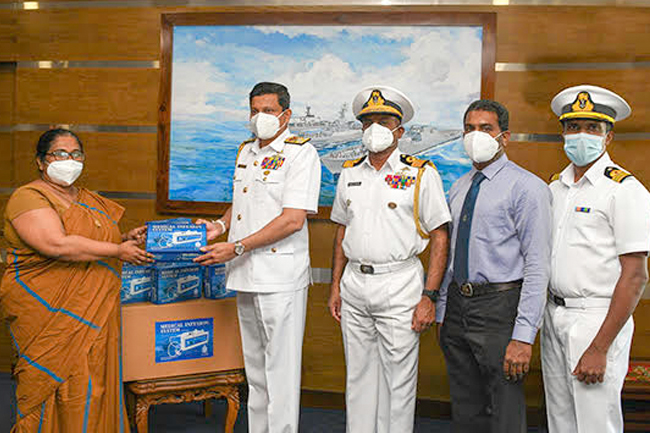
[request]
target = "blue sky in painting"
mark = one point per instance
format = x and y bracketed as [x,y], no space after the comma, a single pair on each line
[214,68]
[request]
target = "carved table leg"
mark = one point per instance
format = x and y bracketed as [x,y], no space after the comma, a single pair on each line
[233,409]
[142,414]
[207,408]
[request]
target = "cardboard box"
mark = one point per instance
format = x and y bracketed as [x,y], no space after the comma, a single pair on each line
[175,282]
[214,283]
[175,238]
[180,331]
[137,283]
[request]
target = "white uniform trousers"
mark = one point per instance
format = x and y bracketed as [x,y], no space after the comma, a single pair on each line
[381,349]
[573,406]
[272,327]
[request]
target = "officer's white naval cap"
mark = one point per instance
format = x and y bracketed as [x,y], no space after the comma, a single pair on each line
[382,100]
[590,102]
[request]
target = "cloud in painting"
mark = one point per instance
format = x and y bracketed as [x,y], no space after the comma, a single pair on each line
[439,68]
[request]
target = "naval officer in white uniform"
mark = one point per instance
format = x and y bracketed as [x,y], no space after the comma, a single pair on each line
[276,184]
[387,207]
[601,239]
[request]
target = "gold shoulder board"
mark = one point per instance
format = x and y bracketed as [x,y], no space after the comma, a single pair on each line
[294,139]
[616,174]
[353,162]
[414,162]
[554,177]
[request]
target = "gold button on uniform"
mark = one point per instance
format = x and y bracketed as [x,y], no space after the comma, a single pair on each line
[239,217]
[245,189]
[264,178]
[275,250]
[392,205]
[255,163]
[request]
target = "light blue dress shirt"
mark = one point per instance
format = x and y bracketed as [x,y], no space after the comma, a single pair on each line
[510,238]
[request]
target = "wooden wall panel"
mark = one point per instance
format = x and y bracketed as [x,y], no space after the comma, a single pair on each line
[87,96]
[528,95]
[7,76]
[551,34]
[120,34]
[323,359]
[321,238]
[114,162]
[7,35]
[641,339]
[543,159]
[6,166]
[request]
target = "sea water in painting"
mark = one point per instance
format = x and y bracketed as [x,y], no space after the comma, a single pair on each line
[215,67]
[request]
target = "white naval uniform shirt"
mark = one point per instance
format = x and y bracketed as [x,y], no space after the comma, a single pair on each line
[280,175]
[377,209]
[595,220]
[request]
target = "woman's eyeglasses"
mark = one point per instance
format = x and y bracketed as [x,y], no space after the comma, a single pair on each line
[62,155]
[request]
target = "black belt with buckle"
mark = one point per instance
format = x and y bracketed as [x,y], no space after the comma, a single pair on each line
[367,269]
[470,289]
[556,300]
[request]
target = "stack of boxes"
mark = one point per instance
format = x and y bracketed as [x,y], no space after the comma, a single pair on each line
[173,277]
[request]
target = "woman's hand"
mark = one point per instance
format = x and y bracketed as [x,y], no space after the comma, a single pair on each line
[138,234]
[128,251]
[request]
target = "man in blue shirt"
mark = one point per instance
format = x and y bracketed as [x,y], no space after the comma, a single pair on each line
[493,296]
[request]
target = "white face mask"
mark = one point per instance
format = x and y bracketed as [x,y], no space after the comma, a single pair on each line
[377,138]
[64,173]
[264,125]
[480,146]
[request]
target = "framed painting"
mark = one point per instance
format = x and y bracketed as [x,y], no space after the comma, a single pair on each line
[210,62]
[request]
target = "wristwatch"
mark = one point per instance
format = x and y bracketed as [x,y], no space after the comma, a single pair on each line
[239,248]
[431,294]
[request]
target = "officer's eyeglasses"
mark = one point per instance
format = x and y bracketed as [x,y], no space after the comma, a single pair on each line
[62,155]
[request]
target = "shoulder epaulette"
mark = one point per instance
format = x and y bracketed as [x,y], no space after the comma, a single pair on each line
[415,162]
[554,177]
[294,139]
[241,146]
[354,162]
[616,174]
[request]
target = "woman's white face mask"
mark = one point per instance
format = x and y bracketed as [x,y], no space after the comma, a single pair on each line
[64,173]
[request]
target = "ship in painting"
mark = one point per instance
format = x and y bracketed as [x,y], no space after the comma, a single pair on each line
[326,133]
[417,140]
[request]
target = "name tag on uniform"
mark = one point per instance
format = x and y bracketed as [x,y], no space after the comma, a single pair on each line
[354,183]
[583,209]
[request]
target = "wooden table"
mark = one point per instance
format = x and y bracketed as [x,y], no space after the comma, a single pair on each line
[636,392]
[183,389]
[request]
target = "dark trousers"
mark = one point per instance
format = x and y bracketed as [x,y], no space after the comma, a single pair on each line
[474,337]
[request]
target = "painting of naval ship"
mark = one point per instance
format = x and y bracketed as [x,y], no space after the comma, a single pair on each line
[214,67]
[417,140]
[326,133]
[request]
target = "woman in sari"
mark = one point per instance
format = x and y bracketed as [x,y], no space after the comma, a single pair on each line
[61,296]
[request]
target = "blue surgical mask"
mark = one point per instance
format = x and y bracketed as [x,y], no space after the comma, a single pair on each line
[583,148]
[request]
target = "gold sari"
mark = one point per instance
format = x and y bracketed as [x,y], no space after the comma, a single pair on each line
[64,318]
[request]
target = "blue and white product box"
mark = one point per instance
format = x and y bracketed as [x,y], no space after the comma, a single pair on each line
[176,241]
[137,283]
[184,339]
[175,282]
[214,283]
[175,238]
[182,220]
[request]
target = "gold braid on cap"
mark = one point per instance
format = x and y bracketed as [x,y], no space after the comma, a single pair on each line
[376,103]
